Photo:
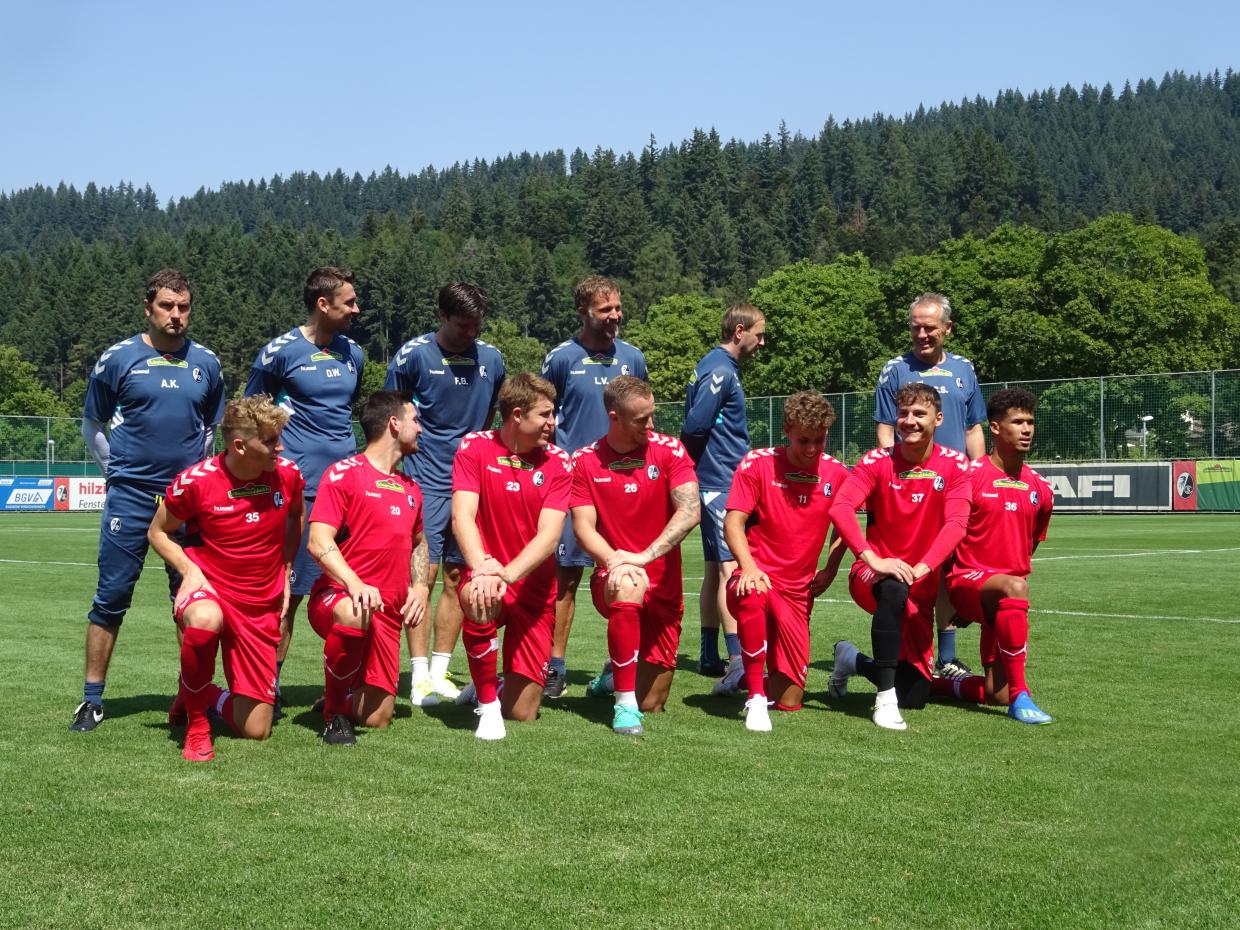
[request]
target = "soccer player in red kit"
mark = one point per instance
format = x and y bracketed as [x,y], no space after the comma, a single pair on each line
[1010,513]
[366,532]
[917,497]
[634,498]
[244,513]
[776,525]
[510,491]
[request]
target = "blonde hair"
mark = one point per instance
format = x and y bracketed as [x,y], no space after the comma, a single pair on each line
[252,416]
[521,392]
[808,411]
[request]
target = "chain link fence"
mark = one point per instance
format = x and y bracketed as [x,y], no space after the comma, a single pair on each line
[1188,415]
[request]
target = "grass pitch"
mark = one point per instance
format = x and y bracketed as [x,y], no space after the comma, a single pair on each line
[1123,813]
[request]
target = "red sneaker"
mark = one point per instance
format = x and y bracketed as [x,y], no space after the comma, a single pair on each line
[198,747]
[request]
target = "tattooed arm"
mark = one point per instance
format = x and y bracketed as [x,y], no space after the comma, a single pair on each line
[688,514]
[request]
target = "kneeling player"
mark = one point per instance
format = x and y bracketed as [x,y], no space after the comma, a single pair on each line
[244,508]
[776,525]
[369,588]
[917,497]
[509,497]
[635,497]
[1010,513]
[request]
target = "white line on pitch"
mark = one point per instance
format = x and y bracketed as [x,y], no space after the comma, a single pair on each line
[1082,613]
[27,562]
[1133,555]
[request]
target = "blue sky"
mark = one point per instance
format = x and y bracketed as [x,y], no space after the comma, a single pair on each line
[186,95]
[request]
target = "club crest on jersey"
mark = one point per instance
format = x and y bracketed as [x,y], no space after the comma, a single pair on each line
[827,490]
[624,369]
[960,383]
[278,500]
[939,483]
[1012,483]
[625,464]
[250,490]
[409,497]
[389,484]
[652,472]
[1033,498]
[513,462]
[114,525]
[538,479]
[482,371]
[197,374]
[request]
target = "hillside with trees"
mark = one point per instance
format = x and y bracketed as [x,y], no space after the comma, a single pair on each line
[1086,231]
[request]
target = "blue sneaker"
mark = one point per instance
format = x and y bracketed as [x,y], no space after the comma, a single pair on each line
[627,720]
[602,685]
[1024,710]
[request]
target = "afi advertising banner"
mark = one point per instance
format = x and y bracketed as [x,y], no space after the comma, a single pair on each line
[1109,486]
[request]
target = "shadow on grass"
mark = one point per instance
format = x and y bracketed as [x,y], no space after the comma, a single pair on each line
[726,706]
[117,708]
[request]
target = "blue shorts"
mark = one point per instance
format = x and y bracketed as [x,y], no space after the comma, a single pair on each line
[306,569]
[127,513]
[568,554]
[437,526]
[714,506]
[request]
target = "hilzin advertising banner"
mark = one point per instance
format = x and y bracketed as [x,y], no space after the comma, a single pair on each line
[1109,486]
[22,493]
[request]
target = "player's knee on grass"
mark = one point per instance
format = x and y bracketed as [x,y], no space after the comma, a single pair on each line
[373,707]
[654,684]
[252,717]
[521,698]
[203,615]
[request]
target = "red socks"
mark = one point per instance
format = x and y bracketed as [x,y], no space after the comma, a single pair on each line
[1012,633]
[751,628]
[624,637]
[971,690]
[481,642]
[198,649]
[342,657]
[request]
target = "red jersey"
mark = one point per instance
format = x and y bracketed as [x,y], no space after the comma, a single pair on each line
[512,491]
[239,526]
[1008,516]
[632,494]
[378,516]
[917,513]
[788,510]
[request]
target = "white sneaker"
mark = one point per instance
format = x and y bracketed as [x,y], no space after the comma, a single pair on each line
[444,687]
[490,722]
[844,668]
[731,679]
[887,713]
[757,717]
[422,693]
[467,695]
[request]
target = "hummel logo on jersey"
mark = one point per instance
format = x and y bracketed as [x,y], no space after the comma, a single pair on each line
[985,494]
[716,383]
[224,508]
[606,479]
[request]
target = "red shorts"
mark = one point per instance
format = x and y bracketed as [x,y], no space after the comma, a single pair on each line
[381,659]
[917,631]
[528,619]
[662,609]
[787,627]
[965,590]
[248,644]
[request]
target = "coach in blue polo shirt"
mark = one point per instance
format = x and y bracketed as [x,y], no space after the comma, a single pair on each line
[964,412]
